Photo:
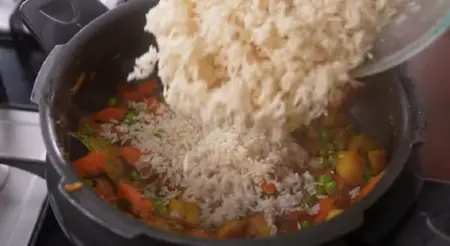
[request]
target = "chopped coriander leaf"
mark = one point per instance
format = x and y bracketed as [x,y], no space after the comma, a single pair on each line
[112,101]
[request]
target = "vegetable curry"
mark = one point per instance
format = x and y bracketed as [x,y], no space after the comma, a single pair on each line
[347,166]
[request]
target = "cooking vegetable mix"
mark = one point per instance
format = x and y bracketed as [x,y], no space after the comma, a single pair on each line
[348,165]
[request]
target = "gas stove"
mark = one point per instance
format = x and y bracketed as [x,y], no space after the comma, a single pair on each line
[26,217]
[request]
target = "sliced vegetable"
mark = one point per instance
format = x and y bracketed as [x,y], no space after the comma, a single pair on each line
[350,167]
[232,229]
[377,159]
[140,205]
[258,226]
[176,208]
[326,205]
[269,188]
[370,185]
[91,164]
[333,213]
[108,114]
[192,213]
[130,154]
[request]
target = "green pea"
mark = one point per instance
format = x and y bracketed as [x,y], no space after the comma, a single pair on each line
[158,204]
[331,187]
[304,224]
[325,178]
[325,134]
[320,190]
[341,146]
[134,176]
[112,101]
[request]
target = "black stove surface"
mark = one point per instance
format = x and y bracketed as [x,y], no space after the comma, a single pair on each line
[420,226]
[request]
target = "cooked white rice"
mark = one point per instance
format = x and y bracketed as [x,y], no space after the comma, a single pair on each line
[268,64]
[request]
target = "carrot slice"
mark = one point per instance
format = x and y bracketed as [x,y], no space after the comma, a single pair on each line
[109,114]
[148,87]
[140,206]
[93,163]
[370,185]
[269,188]
[130,154]
[326,205]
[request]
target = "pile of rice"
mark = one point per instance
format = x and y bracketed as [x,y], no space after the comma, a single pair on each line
[272,65]
[221,169]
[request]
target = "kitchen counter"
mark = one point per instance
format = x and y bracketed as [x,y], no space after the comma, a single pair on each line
[431,70]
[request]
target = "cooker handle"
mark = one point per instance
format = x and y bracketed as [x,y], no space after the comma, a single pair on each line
[54,22]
